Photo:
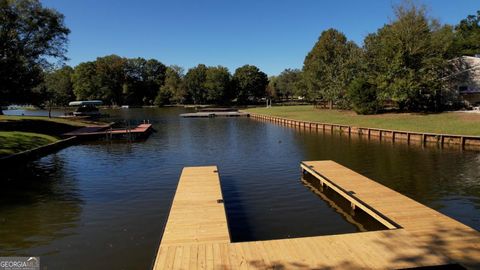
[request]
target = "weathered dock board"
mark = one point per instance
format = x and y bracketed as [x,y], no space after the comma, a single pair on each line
[99,131]
[419,236]
[214,114]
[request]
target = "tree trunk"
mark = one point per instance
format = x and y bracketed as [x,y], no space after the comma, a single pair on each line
[330,104]
[50,111]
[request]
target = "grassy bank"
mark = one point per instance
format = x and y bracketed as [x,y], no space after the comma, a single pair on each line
[445,123]
[12,142]
[58,120]
[20,133]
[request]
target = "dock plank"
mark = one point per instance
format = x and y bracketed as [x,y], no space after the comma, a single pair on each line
[196,235]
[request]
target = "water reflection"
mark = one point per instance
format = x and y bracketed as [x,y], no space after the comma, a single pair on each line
[357,217]
[39,204]
[108,202]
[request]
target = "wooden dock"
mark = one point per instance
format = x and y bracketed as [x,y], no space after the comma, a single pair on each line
[196,234]
[139,131]
[215,114]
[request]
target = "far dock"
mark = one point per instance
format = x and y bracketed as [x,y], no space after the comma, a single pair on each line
[137,132]
[196,234]
[215,112]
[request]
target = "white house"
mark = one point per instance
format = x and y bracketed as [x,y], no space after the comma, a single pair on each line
[465,78]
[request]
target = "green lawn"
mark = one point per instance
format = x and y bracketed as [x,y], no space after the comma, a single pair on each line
[446,123]
[12,142]
[67,121]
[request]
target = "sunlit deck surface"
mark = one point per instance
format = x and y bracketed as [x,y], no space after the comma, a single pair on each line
[196,235]
[214,114]
[105,130]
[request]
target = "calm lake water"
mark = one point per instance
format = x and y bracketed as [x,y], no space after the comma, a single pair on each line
[104,205]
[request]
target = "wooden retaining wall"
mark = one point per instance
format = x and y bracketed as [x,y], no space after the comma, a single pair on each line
[465,142]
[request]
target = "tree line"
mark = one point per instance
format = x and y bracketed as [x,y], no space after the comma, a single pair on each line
[401,66]
[137,81]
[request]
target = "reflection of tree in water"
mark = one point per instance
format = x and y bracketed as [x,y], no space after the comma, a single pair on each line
[38,204]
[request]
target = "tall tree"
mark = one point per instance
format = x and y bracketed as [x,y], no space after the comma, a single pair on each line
[249,83]
[288,83]
[155,73]
[467,36]
[59,85]
[330,66]
[110,71]
[86,84]
[407,58]
[218,85]
[195,83]
[143,78]
[29,35]
[173,90]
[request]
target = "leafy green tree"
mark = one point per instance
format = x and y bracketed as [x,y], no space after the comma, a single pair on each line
[363,96]
[173,90]
[110,71]
[143,78]
[407,58]
[29,35]
[249,83]
[154,76]
[218,85]
[86,84]
[59,85]
[272,90]
[288,83]
[195,84]
[467,36]
[330,66]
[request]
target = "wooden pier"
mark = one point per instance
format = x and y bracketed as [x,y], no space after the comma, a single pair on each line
[214,114]
[196,234]
[106,131]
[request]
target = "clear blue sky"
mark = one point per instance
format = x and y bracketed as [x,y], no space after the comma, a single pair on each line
[272,35]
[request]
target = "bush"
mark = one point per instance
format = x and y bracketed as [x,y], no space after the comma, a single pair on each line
[363,96]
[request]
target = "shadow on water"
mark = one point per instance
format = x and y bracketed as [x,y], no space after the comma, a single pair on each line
[41,204]
[363,221]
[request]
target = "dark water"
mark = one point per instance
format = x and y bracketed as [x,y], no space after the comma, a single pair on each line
[104,205]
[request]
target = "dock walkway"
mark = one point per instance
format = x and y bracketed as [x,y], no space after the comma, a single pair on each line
[99,131]
[196,234]
[214,114]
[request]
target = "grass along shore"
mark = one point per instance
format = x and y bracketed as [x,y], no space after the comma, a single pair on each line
[444,123]
[12,142]
[59,120]
[21,133]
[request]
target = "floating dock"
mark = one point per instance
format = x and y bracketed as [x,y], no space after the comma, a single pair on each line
[139,131]
[215,114]
[196,233]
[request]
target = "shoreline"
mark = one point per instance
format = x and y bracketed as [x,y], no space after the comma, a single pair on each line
[382,134]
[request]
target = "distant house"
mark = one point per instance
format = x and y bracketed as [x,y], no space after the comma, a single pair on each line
[465,78]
